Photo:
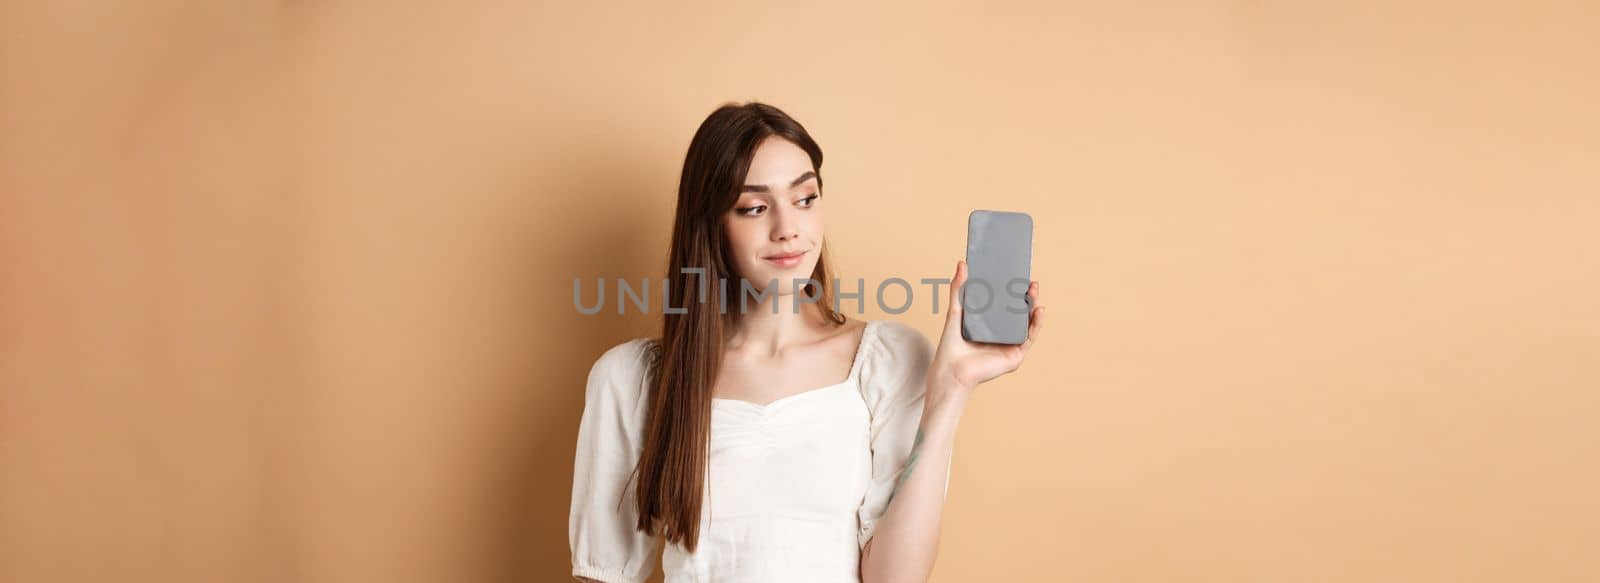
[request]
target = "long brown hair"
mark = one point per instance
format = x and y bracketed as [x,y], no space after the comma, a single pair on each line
[685,360]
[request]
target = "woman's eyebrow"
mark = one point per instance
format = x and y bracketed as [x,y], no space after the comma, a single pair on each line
[763,188]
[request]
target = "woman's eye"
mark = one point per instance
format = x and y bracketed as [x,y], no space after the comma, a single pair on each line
[808,201]
[752,211]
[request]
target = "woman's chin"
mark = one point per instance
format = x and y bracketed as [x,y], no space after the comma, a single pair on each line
[785,280]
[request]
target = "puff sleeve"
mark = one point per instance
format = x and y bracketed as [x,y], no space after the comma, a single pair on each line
[893,388]
[601,531]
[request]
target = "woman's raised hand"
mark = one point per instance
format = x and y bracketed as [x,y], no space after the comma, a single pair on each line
[962,365]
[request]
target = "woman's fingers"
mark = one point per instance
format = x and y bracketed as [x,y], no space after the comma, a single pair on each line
[1035,316]
[1036,324]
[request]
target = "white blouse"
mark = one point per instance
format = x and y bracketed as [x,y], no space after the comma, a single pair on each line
[794,488]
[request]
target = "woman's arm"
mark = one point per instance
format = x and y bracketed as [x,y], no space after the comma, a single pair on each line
[906,542]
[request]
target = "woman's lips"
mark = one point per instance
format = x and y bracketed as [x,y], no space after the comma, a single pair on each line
[787,260]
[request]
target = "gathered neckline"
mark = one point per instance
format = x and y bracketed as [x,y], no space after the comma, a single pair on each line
[855,368]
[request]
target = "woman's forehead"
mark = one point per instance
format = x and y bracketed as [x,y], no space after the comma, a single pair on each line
[777,162]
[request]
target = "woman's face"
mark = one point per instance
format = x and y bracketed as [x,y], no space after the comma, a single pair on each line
[779,215]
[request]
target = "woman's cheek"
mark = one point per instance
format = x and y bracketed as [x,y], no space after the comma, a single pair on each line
[744,241]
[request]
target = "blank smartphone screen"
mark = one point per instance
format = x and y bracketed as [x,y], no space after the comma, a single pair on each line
[999,262]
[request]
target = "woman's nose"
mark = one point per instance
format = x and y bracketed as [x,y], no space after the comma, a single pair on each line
[784,228]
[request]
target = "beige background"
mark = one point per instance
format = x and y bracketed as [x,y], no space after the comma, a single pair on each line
[286,286]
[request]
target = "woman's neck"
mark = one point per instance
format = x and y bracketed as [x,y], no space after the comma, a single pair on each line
[764,333]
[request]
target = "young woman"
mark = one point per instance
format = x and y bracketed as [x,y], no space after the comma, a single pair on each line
[732,437]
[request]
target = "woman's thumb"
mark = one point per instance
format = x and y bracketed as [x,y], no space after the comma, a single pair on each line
[960,279]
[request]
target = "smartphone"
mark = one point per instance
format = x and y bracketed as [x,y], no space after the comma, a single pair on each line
[994,301]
